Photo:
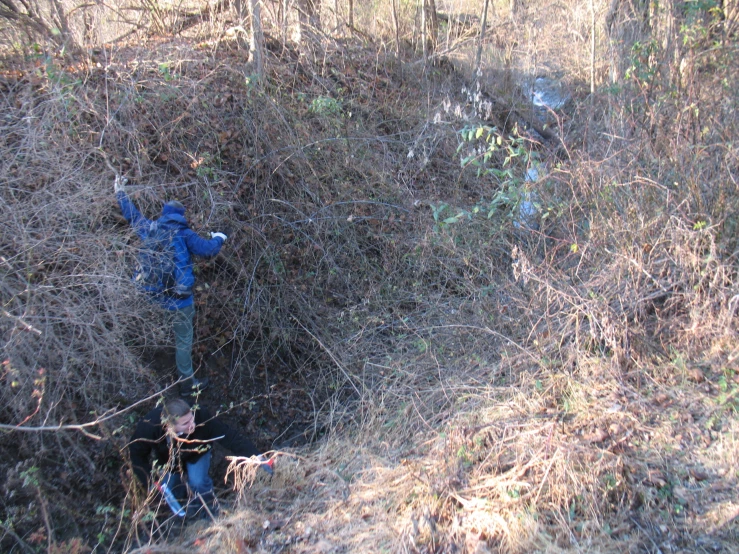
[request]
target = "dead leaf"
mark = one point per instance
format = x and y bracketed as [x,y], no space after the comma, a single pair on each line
[696,375]
[661,399]
[698,474]
[599,435]
[655,478]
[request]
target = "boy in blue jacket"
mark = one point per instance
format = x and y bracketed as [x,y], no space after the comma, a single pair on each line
[178,301]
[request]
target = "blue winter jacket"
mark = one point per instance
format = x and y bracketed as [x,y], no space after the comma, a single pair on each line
[186,242]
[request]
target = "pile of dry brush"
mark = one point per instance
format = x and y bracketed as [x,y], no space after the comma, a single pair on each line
[334,184]
[568,389]
[311,180]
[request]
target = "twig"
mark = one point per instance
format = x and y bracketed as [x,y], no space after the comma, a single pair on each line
[45,514]
[544,478]
[107,161]
[210,513]
[154,549]
[23,544]
[635,522]
[336,361]
[491,332]
[26,326]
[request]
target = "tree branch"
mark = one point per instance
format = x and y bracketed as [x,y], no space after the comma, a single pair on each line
[110,414]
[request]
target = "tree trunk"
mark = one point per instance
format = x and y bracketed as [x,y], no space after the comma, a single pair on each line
[240,11]
[433,21]
[257,38]
[424,43]
[483,25]
[284,7]
[396,24]
[310,17]
[731,17]
[592,49]
[59,17]
[42,27]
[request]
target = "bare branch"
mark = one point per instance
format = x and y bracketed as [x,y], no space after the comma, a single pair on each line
[110,414]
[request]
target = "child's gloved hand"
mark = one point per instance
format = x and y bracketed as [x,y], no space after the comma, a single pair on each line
[267,465]
[119,185]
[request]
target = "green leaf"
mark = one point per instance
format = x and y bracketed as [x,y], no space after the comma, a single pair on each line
[480,131]
[437,210]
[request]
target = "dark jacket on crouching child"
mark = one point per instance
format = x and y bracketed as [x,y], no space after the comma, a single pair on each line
[151,437]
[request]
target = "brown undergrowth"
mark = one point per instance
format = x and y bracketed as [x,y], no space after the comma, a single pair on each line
[475,385]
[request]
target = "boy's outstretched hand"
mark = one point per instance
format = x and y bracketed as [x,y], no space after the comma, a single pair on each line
[119,185]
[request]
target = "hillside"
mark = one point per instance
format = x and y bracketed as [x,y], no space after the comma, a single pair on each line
[459,322]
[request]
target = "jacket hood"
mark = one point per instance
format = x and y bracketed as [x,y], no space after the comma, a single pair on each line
[172,220]
[173,207]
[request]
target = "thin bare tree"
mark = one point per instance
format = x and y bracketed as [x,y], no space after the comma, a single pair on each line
[309,17]
[256,45]
[592,48]
[483,24]
[51,25]
[514,6]
[424,42]
[283,7]
[433,21]
[396,24]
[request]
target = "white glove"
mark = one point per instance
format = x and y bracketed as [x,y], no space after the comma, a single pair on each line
[218,235]
[119,185]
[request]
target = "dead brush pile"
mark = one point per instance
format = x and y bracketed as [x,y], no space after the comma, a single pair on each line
[483,387]
[587,400]
[330,265]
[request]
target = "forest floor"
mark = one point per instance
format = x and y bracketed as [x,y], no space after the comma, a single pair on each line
[431,375]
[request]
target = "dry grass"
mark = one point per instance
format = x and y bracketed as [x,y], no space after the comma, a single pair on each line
[478,388]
